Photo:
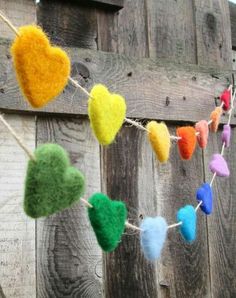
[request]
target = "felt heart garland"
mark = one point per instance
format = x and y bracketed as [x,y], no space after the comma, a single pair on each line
[159,138]
[51,184]
[187,143]
[225,98]
[49,168]
[42,70]
[107,218]
[153,236]
[106,113]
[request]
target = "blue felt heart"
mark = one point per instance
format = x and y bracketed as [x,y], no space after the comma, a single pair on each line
[204,194]
[152,237]
[188,217]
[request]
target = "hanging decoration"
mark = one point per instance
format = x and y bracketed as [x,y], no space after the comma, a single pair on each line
[106,113]
[53,185]
[202,130]
[159,138]
[204,195]
[187,143]
[152,236]
[188,218]
[215,118]
[42,70]
[107,218]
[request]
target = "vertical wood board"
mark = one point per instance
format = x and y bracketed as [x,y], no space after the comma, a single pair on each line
[17,231]
[69,261]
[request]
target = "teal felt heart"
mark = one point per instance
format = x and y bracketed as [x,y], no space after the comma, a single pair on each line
[187,215]
[51,184]
[107,218]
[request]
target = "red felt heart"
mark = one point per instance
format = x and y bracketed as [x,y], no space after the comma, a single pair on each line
[188,141]
[225,98]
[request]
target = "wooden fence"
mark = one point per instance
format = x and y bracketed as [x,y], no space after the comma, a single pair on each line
[170,59]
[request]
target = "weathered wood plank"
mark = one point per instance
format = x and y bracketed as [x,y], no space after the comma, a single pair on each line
[234,60]
[133,31]
[222,222]
[111,4]
[183,270]
[213,32]
[153,89]
[171,30]
[20,12]
[68,24]
[17,232]
[232,10]
[68,258]
[134,276]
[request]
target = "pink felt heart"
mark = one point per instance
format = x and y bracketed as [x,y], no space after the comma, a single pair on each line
[226,134]
[219,166]
[203,131]
[225,98]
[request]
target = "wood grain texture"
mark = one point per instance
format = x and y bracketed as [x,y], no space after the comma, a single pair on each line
[68,257]
[171,30]
[110,4]
[222,222]
[183,270]
[127,273]
[213,33]
[20,12]
[17,231]
[133,30]
[232,10]
[153,89]
[234,60]
[68,24]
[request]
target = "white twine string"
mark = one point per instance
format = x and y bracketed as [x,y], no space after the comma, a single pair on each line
[5,20]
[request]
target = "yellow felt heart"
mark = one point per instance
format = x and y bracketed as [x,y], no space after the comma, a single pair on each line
[42,70]
[159,138]
[106,113]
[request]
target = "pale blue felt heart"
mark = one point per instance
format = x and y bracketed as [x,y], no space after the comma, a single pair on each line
[152,237]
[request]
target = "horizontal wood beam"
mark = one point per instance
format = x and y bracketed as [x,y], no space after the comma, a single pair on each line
[154,89]
[111,4]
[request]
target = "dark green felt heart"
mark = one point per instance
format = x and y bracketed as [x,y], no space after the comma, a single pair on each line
[51,184]
[107,218]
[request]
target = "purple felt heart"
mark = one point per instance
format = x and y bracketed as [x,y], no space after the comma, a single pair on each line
[226,134]
[219,166]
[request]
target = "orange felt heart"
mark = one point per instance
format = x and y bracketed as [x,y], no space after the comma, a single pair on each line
[42,70]
[187,143]
[215,118]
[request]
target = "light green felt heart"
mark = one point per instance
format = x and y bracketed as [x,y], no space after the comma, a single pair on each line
[107,218]
[51,184]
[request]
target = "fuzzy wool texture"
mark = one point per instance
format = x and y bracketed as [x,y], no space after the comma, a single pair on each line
[106,113]
[188,228]
[226,98]
[219,165]
[203,130]
[159,138]
[42,70]
[204,194]
[215,117]
[226,135]
[107,218]
[51,184]
[153,236]
[187,143]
